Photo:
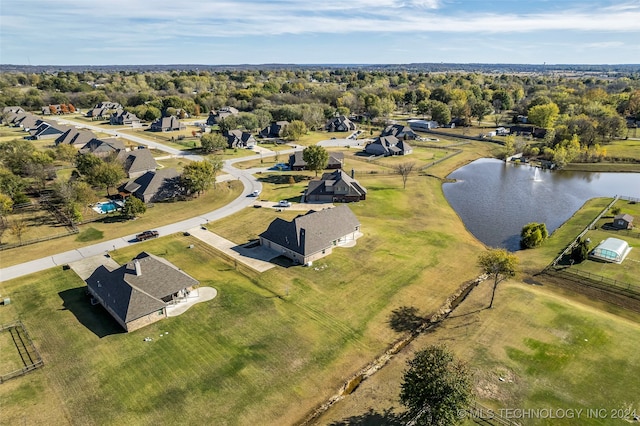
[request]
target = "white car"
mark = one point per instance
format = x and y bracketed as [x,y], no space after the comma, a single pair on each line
[255,193]
[284,203]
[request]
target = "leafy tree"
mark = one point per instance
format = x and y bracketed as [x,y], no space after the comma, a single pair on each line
[106,175]
[198,176]
[12,185]
[6,206]
[533,234]
[86,163]
[213,142]
[440,112]
[16,154]
[423,107]
[544,115]
[436,387]
[133,207]
[316,157]
[480,110]
[66,152]
[295,130]
[404,170]
[499,265]
[227,123]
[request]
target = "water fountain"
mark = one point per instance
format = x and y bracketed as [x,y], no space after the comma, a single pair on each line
[536,175]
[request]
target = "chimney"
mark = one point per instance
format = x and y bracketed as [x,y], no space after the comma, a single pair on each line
[353,173]
[136,263]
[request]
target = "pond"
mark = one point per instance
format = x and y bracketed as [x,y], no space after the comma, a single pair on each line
[495,199]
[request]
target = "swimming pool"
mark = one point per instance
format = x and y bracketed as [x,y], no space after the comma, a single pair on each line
[107,206]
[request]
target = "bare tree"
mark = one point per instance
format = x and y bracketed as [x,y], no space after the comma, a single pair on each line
[404,170]
[18,227]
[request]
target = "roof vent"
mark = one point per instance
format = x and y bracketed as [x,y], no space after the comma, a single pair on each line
[136,264]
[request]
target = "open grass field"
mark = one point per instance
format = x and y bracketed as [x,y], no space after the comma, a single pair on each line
[112,226]
[550,350]
[623,149]
[313,137]
[10,360]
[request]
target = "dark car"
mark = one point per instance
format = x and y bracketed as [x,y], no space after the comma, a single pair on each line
[146,235]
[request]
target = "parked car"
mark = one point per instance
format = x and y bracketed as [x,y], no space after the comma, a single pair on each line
[284,203]
[255,193]
[147,235]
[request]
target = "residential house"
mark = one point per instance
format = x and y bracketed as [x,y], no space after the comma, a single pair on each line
[27,121]
[312,236]
[222,113]
[400,132]
[51,109]
[153,186]
[297,163]
[75,137]
[124,118]
[423,125]
[274,130]
[623,221]
[137,162]
[15,109]
[167,124]
[48,130]
[340,124]
[103,147]
[387,146]
[335,187]
[103,110]
[239,139]
[138,293]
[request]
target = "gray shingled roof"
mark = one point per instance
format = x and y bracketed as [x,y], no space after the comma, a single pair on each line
[97,146]
[328,181]
[139,160]
[131,296]
[314,231]
[75,136]
[151,183]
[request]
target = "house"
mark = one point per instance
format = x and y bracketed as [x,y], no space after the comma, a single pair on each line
[167,124]
[222,113]
[153,186]
[51,109]
[423,125]
[138,293]
[103,147]
[297,163]
[48,130]
[312,236]
[335,187]
[400,132]
[124,118]
[623,221]
[103,110]
[239,139]
[387,146]
[15,109]
[340,124]
[611,250]
[274,130]
[137,162]
[27,121]
[75,137]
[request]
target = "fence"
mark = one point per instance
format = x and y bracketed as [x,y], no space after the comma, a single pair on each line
[39,240]
[598,281]
[25,347]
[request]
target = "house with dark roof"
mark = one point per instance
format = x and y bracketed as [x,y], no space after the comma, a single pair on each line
[387,146]
[137,162]
[335,187]
[15,109]
[138,293]
[297,163]
[623,221]
[400,132]
[75,137]
[27,121]
[222,113]
[123,118]
[167,124]
[312,236]
[48,130]
[239,139]
[274,130]
[340,124]
[103,147]
[103,110]
[153,186]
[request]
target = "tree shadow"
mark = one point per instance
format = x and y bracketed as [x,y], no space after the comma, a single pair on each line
[93,317]
[282,179]
[405,318]
[372,418]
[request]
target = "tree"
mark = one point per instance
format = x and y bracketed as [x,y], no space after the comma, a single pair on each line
[198,176]
[106,175]
[544,115]
[6,206]
[316,157]
[404,170]
[133,207]
[580,251]
[295,130]
[217,164]
[66,152]
[18,228]
[86,163]
[16,154]
[480,110]
[440,112]
[12,185]
[436,387]
[213,142]
[227,123]
[533,234]
[499,265]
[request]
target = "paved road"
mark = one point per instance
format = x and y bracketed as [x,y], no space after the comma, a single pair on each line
[249,182]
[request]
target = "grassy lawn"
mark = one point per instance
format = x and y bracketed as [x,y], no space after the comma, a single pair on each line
[535,349]
[623,149]
[313,137]
[112,226]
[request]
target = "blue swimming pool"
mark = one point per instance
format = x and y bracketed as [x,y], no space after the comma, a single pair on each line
[107,206]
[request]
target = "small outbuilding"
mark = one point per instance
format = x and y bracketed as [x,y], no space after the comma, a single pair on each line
[623,221]
[611,250]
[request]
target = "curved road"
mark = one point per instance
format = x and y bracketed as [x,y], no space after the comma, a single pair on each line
[249,182]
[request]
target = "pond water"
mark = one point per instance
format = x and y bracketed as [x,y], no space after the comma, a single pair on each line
[495,199]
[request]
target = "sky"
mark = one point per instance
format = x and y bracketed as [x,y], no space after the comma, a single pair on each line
[227,32]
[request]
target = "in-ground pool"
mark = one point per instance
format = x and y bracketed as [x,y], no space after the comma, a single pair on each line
[107,206]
